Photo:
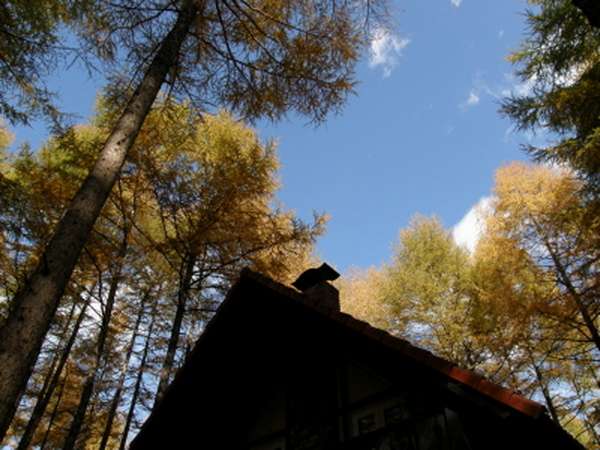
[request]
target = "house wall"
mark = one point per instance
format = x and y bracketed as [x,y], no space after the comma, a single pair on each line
[295,415]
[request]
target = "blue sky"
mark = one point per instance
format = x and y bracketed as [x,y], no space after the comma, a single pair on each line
[422,135]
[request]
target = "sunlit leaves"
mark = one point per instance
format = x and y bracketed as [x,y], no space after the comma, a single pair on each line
[194,188]
[361,295]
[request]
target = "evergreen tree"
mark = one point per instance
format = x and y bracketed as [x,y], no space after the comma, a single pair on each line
[559,58]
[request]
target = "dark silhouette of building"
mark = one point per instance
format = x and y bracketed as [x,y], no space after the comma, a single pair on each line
[278,369]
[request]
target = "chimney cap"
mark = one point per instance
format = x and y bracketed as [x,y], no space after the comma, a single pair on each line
[315,275]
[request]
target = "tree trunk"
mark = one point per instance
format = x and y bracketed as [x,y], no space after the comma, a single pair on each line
[48,386]
[590,9]
[54,413]
[57,355]
[77,422]
[42,403]
[88,387]
[545,392]
[33,308]
[138,381]
[583,413]
[185,280]
[121,383]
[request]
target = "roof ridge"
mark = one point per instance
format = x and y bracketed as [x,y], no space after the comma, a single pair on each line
[467,377]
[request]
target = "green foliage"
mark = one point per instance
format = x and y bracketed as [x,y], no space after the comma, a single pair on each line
[560,58]
[426,291]
[423,294]
[31,47]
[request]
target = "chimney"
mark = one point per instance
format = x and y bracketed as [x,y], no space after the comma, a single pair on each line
[314,285]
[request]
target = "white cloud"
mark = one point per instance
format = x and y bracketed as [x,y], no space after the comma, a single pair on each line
[473,98]
[512,86]
[456,3]
[517,88]
[468,231]
[386,48]
[509,86]
[500,34]
[525,88]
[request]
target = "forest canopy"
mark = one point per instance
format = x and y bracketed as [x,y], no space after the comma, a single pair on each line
[120,235]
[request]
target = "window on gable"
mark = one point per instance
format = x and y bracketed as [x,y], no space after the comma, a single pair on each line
[366,424]
[394,414]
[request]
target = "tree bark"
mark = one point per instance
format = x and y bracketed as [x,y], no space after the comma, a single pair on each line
[590,9]
[54,413]
[23,333]
[138,381]
[42,403]
[182,297]
[121,383]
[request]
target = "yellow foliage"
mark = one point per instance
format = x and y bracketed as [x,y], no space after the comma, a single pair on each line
[6,137]
[361,295]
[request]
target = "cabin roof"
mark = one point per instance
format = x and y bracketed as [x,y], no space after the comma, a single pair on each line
[406,349]
[287,297]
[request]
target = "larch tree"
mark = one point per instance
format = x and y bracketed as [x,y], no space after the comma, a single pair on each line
[427,292]
[510,295]
[211,183]
[45,182]
[502,310]
[259,58]
[535,293]
[36,415]
[7,281]
[423,294]
[361,295]
[197,189]
[540,209]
